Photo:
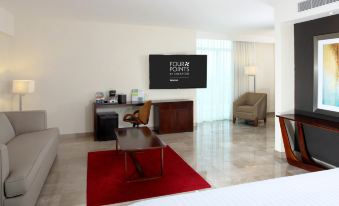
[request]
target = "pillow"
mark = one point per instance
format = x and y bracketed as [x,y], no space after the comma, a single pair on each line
[6,129]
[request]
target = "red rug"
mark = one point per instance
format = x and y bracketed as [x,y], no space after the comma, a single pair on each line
[106,184]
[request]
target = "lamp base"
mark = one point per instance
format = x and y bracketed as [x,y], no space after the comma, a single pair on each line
[20,102]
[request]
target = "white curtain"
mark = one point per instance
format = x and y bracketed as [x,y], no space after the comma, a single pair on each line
[244,54]
[215,101]
[226,79]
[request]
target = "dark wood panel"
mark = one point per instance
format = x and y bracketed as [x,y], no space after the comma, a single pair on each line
[166,119]
[184,118]
[173,117]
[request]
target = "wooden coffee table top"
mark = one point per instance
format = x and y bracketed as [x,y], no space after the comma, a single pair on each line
[134,139]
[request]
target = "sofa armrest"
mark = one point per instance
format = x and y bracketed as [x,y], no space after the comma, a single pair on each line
[4,170]
[27,121]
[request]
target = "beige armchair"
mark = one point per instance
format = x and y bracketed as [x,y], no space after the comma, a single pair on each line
[250,106]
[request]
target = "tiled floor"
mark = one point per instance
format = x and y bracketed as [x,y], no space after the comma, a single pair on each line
[223,153]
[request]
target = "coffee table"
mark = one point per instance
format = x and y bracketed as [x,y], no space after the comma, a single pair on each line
[133,140]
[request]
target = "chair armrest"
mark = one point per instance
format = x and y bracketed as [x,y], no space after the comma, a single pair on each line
[261,107]
[127,116]
[4,170]
[136,112]
[259,101]
[27,121]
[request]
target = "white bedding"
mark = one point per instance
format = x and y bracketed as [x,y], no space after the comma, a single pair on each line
[312,189]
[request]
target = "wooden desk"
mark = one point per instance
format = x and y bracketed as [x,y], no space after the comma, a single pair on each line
[305,162]
[129,104]
[170,115]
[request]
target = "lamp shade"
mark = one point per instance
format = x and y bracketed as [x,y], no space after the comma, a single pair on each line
[23,86]
[251,70]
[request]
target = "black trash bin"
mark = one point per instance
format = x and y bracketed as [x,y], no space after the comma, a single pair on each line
[106,123]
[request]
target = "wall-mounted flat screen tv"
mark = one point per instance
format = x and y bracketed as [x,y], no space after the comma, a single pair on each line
[177,71]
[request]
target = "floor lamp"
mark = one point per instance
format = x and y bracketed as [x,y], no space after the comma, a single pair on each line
[251,71]
[22,87]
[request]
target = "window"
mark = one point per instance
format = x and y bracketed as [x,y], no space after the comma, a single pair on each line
[215,102]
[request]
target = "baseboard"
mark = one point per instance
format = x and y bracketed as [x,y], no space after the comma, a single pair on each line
[280,155]
[75,135]
[270,114]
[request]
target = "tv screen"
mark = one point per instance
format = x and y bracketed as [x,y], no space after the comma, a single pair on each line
[178,71]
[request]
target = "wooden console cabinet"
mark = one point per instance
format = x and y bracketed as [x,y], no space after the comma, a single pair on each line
[305,161]
[173,116]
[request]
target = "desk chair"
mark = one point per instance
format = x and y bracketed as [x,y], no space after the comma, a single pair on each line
[140,116]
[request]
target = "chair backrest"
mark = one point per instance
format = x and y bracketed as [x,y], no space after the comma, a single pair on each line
[253,98]
[144,112]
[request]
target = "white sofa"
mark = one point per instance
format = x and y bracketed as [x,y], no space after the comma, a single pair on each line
[27,152]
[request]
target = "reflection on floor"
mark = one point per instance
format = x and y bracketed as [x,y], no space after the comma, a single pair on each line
[223,153]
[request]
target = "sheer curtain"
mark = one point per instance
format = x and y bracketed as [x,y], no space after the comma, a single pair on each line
[215,102]
[244,54]
[226,79]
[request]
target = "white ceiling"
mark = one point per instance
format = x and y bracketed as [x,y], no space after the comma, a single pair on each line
[226,16]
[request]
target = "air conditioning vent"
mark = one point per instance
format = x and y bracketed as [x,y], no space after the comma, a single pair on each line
[310,4]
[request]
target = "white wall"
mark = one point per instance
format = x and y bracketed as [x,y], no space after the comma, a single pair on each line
[6,30]
[284,76]
[262,37]
[265,72]
[6,22]
[5,42]
[71,60]
[286,17]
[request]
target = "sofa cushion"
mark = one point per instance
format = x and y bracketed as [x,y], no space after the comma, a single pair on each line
[246,108]
[27,152]
[6,129]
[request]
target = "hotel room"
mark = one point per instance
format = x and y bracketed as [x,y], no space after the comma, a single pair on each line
[170,103]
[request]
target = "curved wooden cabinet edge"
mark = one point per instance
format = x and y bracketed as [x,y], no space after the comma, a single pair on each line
[305,162]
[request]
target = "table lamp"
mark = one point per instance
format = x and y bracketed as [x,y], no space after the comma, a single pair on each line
[22,87]
[251,72]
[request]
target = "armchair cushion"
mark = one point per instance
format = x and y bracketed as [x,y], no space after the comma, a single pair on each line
[6,129]
[246,108]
